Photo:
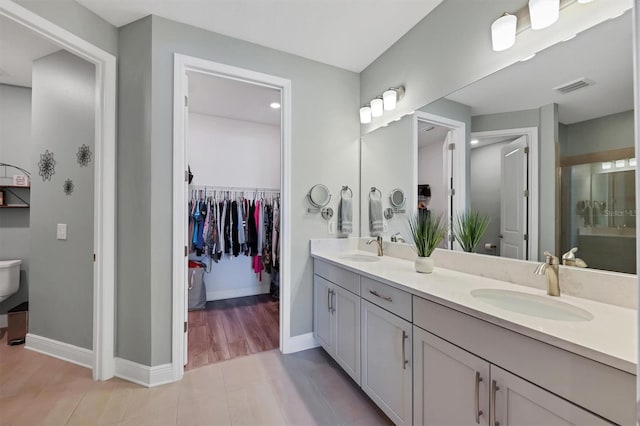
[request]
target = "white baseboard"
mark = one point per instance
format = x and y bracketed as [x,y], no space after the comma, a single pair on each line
[60,350]
[4,321]
[300,343]
[238,292]
[143,374]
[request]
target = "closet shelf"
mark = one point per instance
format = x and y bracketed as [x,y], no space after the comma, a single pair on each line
[15,186]
[15,206]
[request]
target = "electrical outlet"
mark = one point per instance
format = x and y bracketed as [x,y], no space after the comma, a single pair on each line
[61,231]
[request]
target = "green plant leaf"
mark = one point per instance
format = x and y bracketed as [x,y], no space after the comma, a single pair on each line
[427,231]
[468,229]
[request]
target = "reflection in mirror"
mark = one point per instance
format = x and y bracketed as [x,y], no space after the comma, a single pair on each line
[570,106]
[319,196]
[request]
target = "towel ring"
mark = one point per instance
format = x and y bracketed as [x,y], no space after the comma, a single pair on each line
[373,191]
[346,188]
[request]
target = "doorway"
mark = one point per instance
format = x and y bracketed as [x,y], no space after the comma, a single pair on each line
[100,356]
[503,178]
[241,191]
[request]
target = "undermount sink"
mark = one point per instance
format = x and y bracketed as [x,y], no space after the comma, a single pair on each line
[354,257]
[531,304]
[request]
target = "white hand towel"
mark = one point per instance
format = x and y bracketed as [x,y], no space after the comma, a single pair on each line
[345,216]
[375,217]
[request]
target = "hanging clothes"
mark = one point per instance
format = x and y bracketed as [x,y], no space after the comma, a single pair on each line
[275,244]
[252,242]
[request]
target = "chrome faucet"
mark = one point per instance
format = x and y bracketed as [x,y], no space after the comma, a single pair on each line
[397,238]
[379,241]
[550,268]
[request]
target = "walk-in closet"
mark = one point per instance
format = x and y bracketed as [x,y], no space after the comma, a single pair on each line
[234,220]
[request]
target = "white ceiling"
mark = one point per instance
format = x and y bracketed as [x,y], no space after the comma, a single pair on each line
[19,47]
[233,99]
[603,54]
[349,34]
[437,134]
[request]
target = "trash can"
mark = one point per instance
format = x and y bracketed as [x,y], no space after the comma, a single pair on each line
[195,284]
[18,324]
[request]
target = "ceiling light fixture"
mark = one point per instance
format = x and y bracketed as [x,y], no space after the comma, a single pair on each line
[503,32]
[543,13]
[474,141]
[365,114]
[275,105]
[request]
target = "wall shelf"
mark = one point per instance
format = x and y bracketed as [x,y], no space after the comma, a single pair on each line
[11,189]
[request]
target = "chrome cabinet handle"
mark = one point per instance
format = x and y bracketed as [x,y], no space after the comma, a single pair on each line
[405,336]
[329,299]
[333,300]
[375,293]
[494,389]
[478,411]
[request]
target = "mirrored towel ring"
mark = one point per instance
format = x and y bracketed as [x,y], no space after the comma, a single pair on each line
[346,188]
[373,191]
[318,196]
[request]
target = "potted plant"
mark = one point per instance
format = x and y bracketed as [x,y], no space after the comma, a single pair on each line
[427,231]
[469,228]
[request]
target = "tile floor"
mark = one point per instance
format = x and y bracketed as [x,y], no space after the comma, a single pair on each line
[306,388]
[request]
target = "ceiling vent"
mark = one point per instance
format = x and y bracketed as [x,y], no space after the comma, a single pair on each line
[572,86]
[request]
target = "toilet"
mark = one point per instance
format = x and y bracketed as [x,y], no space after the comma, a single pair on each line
[9,278]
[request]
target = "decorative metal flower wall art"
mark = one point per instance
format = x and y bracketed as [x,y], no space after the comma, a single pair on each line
[46,165]
[68,186]
[84,155]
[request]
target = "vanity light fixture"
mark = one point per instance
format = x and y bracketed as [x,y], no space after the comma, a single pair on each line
[365,114]
[391,97]
[620,163]
[503,32]
[377,107]
[543,13]
[474,141]
[275,105]
[606,165]
[632,162]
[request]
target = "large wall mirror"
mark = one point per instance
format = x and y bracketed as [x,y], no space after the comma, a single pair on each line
[543,147]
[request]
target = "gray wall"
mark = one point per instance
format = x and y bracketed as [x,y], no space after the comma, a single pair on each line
[15,148]
[61,272]
[600,134]
[76,19]
[325,150]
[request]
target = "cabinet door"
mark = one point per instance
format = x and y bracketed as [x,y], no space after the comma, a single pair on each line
[450,385]
[386,362]
[518,402]
[322,318]
[347,331]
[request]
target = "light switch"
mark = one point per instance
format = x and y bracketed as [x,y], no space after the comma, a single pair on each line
[62,231]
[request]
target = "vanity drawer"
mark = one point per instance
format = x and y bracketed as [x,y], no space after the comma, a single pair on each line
[390,298]
[345,279]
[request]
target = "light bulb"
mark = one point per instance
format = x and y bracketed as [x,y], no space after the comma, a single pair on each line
[376,107]
[503,32]
[543,13]
[365,115]
[389,99]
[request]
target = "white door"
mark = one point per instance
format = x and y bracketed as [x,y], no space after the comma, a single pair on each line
[386,362]
[346,318]
[518,402]
[185,357]
[322,309]
[450,385]
[513,199]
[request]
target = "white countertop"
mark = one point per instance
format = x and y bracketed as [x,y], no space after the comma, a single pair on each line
[610,337]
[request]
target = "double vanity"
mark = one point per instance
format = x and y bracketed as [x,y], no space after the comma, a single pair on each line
[459,348]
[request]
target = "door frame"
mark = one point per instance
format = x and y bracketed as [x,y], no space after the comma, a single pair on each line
[182,65]
[104,200]
[458,137]
[533,178]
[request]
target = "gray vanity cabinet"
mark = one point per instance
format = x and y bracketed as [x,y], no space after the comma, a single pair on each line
[336,319]
[386,362]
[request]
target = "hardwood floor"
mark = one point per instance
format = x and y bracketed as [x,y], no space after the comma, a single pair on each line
[269,388]
[230,328]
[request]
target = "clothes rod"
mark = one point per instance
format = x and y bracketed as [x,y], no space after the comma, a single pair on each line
[233,188]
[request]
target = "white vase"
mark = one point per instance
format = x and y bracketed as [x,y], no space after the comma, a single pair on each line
[424,265]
